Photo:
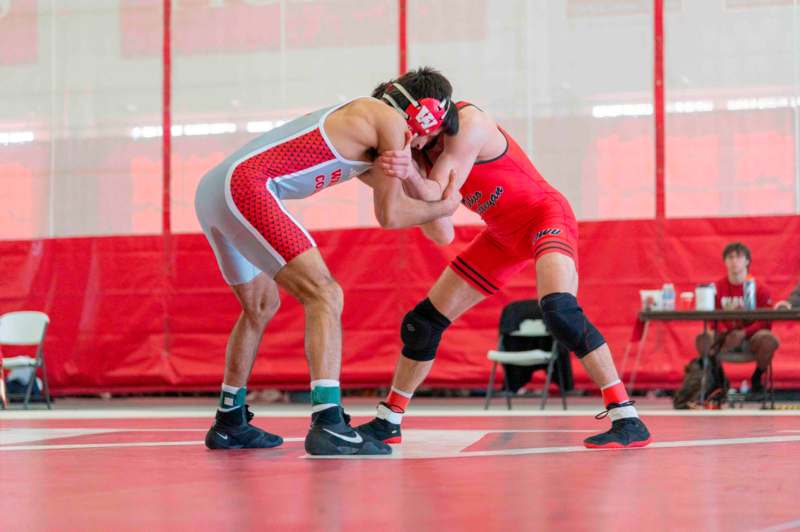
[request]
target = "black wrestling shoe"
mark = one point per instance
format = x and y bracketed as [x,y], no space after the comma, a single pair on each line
[232,430]
[628,432]
[331,435]
[382,429]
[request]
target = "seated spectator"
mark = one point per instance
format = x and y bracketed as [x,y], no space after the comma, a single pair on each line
[755,336]
[792,302]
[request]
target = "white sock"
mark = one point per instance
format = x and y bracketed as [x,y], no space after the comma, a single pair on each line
[622,412]
[331,383]
[384,412]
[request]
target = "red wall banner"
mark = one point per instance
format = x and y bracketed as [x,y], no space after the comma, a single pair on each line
[121,323]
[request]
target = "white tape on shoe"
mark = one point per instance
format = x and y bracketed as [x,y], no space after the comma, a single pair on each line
[622,412]
[386,413]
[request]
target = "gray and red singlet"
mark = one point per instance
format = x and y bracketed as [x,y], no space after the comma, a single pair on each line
[239,202]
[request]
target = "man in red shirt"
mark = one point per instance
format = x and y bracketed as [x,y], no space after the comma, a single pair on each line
[753,336]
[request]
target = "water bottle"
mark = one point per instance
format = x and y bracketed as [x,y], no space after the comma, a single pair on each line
[668,297]
[750,294]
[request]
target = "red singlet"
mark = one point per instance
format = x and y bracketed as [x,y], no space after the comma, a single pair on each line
[525,217]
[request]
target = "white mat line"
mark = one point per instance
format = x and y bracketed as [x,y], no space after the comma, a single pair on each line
[789,525]
[576,449]
[108,445]
[501,452]
[655,445]
[265,412]
[100,431]
[125,429]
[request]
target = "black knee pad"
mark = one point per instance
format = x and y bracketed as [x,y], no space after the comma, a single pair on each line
[422,330]
[567,323]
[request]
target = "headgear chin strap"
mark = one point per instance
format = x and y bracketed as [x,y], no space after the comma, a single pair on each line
[424,116]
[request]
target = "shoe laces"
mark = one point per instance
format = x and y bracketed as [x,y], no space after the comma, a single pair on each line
[393,408]
[612,406]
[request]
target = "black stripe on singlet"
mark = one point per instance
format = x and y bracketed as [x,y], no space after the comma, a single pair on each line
[554,245]
[473,270]
[468,275]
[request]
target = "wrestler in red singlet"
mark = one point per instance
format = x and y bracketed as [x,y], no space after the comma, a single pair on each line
[525,216]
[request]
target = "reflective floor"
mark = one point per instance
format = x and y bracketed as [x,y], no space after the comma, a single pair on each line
[144,467]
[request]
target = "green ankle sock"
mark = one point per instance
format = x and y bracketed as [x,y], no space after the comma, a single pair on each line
[231,397]
[325,395]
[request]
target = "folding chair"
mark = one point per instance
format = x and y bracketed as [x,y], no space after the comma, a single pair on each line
[745,356]
[26,328]
[524,341]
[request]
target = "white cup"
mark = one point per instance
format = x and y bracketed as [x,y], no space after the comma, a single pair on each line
[704,297]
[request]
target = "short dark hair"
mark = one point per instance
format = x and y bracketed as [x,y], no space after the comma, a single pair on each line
[424,82]
[738,248]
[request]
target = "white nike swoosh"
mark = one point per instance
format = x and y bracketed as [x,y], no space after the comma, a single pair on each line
[356,439]
[223,436]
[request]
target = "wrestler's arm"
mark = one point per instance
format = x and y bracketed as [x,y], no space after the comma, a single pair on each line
[417,185]
[441,230]
[393,208]
[459,154]
[461,150]
[404,164]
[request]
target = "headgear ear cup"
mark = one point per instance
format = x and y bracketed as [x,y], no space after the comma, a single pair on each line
[424,116]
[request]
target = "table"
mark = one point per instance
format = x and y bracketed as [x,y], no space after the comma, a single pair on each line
[706,316]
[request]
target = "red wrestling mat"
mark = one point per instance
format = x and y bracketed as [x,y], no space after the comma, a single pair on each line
[451,473]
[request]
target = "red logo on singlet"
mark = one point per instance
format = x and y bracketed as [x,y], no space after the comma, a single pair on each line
[319,181]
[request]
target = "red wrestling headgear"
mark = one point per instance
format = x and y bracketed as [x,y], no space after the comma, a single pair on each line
[424,116]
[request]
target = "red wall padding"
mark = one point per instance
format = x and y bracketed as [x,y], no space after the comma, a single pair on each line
[124,318]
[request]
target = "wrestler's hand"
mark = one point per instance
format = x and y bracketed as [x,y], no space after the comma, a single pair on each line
[397,163]
[451,195]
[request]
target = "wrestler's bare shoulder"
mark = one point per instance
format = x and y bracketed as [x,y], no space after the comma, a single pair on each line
[354,129]
[470,117]
[362,112]
[477,127]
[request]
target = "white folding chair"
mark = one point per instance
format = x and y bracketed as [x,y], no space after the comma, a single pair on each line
[530,328]
[26,328]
